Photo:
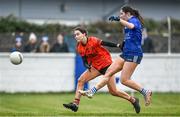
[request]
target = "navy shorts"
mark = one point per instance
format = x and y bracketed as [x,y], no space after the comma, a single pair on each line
[131,58]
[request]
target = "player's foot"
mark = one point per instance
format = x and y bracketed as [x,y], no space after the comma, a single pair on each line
[86,93]
[72,106]
[148,98]
[137,105]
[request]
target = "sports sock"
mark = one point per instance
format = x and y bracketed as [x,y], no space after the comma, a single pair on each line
[143,91]
[93,90]
[76,101]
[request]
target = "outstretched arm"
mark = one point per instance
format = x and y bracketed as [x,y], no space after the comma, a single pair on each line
[110,44]
[123,22]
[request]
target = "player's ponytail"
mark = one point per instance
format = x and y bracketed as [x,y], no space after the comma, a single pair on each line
[133,12]
[136,13]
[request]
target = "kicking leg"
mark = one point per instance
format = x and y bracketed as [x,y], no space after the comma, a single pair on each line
[115,67]
[85,77]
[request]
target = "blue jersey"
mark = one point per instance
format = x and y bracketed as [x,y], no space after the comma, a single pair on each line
[133,38]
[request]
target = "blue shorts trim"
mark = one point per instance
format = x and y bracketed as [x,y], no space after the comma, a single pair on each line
[131,58]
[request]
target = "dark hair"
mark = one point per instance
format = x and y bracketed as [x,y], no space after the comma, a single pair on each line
[133,12]
[82,30]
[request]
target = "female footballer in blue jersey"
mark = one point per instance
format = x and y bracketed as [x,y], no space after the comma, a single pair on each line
[131,54]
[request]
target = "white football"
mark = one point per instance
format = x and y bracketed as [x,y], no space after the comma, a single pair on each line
[16,58]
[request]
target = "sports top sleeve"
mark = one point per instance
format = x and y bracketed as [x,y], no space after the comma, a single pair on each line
[110,44]
[135,21]
[96,41]
[99,42]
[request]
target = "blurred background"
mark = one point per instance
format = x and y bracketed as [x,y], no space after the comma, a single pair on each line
[42,31]
[20,18]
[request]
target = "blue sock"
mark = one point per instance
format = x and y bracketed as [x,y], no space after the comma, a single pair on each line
[93,90]
[143,91]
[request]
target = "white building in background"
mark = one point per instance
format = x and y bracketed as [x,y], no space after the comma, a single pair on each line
[78,11]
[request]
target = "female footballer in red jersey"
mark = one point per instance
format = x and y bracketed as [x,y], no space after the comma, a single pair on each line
[97,59]
[131,54]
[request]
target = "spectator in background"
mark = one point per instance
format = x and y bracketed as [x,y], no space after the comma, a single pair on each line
[44,46]
[31,45]
[18,45]
[147,44]
[60,45]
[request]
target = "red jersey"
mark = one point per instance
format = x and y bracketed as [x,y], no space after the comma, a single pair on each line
[96,54]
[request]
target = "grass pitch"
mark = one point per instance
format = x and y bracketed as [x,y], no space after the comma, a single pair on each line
[102,104]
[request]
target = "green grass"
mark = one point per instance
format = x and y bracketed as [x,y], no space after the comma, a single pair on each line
[50,104]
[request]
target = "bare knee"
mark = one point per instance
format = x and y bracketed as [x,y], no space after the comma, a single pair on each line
[113,92]
[81,81]
[124,81]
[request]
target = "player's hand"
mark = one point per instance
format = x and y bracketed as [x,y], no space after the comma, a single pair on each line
[119,45]
[114,18]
